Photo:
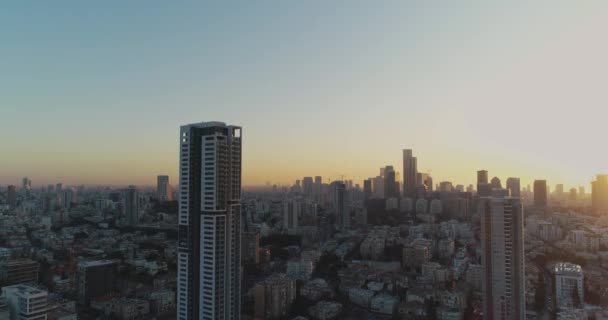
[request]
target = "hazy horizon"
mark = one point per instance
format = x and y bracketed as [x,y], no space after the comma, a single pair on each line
[94,93]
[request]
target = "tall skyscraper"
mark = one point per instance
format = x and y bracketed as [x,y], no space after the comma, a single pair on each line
[11,196]
[209,222]
[410,173]
[26,186]
[317,188]
[130,205]
[367,189]
[502,243]
[513,185]
[307,186]
[599,194]
[291,211]
[340,205]
[163,188]
[496,183]
[390,183]
[569,288]
[540,194]
[484,189]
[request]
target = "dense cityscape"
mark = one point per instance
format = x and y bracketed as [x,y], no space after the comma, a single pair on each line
[397,245]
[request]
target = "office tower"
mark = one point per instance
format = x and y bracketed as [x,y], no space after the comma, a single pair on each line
[11,196]
[514,187]
[367,189]
[209,245]
[317,188]
[573,194]
[390,183]
[559,190]
[410,173]
[59,188]
[425,180]
[95,279]
[25,302]
[502,256]
[496,183]
[379,187]
[26,187]
[446,186]
[250,247]
[569,281]
[540,194]
[307,186]
[581,192]
[340,205]
[484,189]
[291,212]
[68,198]
[274,297]
[130,205]
[599,194]
[163,188]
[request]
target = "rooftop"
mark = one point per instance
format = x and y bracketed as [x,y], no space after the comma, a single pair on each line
[566,267]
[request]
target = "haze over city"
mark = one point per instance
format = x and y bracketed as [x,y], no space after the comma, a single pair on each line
[92,93]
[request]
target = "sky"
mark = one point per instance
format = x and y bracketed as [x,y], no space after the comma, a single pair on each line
[95,92]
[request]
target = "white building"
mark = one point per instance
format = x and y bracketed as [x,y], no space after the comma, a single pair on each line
[26,303]
[568,279]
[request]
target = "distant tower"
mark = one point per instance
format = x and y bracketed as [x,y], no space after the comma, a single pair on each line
[209,241]
[307,187]
[11,196]
[502,243]
[26,186]
[483,187]
[291,211]
[599,194]
[410,173]
[513,185]
[496,184]
[540,194]
[340,205]
[130,205]
[163,188]
[390,183]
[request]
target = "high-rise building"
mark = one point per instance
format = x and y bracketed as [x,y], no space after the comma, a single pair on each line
[26,186]
[163,188]
[274,297]
[367,189]
[130,205]
[410,173]
[291,212]
[484,189]
[581,191]
[11,196]
[569,281]
[318,188]
[496,183]
[341,205]
[59,188]
[573,194]
[250,247]
[25,302]
[307,186]
[502,243]
[209,245]
[379,187]
[599,194]
[540,194]
[17,271]
[390,183]
[68,198]
[95,279]
[513,185]
[559,190]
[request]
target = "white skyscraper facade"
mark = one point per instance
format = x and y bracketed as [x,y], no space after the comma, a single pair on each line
[569,280]
[502,257]
[209,222]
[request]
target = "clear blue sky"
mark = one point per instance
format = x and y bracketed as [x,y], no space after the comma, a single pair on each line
[94,92]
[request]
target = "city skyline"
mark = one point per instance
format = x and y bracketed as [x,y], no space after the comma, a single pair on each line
[519,99]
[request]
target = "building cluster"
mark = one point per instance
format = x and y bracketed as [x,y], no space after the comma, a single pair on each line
[397,245]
